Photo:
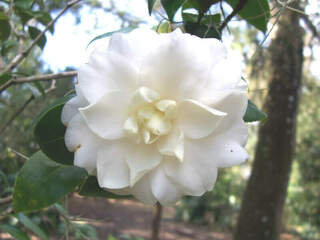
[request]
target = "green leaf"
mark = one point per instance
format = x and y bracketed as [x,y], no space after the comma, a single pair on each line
[108,34]
[5,78]
[5,28]
[49,132]
[255,12]
[34,32]
[15,232]
[24,14]
[26,4]
[171,7]
[253,113]
[164,27]
[44,18]
[42,182]
[91,188]
[8,46]
[29,224]
[208,27]
[150,5]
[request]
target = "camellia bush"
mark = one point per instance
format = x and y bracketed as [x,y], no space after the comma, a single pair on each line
[154,114]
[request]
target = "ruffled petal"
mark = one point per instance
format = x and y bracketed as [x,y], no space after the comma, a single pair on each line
[71,108]
[142,191]
[197,173]
[197,120]
[179,64]
[107,116]
[106,71]
[172,144]
[142,159]
[134,45]
[163,189]
[81,140]
[112,168]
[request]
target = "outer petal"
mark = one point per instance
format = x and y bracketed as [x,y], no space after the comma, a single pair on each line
[83,142]
[106,117]
[112,168]
[232,127]
[142,159]
[196,174]
[163,188]
[71,108]
[180,64]
[106,71]
[142,191]
[134,45]
[197,120]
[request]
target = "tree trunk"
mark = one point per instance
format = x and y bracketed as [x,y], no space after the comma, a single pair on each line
[262,205]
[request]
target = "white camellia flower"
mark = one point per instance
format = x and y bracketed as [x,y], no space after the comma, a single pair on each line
[155,115]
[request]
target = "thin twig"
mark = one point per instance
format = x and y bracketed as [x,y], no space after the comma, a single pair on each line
[5,200]
[44,77]
[235,11]
[20,110]
[18,59]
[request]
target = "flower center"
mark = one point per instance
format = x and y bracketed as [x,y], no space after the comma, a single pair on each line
[150,116]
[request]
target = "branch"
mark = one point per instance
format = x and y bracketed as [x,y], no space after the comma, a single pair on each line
[5,200]
[18,59]
[44,77]
[20,110]
[311,26]
[235,11]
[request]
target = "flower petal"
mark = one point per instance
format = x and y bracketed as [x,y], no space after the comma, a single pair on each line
[179,63]
[107,116]
[106,71]
[142,159]
[163,189]
[172,144]
[142,191]
[71,108]
[112,168]
[83,142]
[197,120]
[197,173]
[134,45]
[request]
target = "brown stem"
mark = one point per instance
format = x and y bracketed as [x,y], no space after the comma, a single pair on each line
[156,221]
[235,11]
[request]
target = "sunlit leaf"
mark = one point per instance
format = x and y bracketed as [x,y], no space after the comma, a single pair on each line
[108,34]
[255,12]
[42,182]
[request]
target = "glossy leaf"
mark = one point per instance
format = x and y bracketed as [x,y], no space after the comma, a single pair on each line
[42,182]
[29,224]
[34,32]
[15,232]
[26,4]
[150,5]
[91,188]
[5,28]
[171,7]
[108,34]
[49,132]
[255,12]
[253,113]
